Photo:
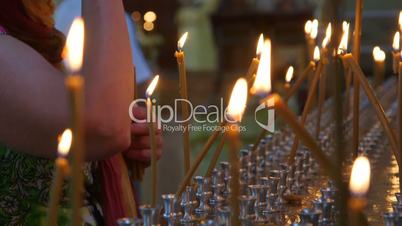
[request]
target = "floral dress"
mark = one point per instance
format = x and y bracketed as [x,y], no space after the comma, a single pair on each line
[25,182]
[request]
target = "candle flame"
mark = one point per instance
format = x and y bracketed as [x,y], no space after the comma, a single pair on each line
[314,29]
[360,177]
[238,100]
[325,42]
[289,74]
[260,44]
[307,27]
[262,82]
[400,20]
[152,86]
[343,45]
[65,142]
[316,53]
[378,54]
[182,41]
[395,43]
[328,34]
[74,48]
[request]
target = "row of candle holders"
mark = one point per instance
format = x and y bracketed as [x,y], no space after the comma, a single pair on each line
[271,192]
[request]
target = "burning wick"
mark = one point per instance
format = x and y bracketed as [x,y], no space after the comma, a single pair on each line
[60,172]
[360,177]
[151,127]
[343,45]
[289,74]
[182,41]
[260,45]
[314,29]
[316,54]
[262,82]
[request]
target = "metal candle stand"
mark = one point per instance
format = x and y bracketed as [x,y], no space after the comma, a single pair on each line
[271,192]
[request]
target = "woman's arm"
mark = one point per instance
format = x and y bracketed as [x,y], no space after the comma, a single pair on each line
[33,98]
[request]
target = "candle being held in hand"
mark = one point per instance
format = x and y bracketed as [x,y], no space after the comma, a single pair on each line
[60,172]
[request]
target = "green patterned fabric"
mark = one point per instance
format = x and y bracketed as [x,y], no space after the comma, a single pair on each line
[24,188]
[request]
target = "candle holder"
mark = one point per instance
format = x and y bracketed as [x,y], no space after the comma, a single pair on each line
[149,215]
[169,204]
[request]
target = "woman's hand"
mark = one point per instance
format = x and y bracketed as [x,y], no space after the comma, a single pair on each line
[140,148]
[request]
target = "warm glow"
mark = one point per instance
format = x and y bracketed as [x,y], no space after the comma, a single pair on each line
[74,49]
[260,44]
[378,54]
[395,43]
[316,53]
[148,26]
[325,42]
[182,41]
[65,142]
[400,20]
[150,16]
[314,29]
[360,177]
[289,74]
[136,16]
[308,26]
[328,34]
[262,82]
[152,86]
[343,45]
[238,100]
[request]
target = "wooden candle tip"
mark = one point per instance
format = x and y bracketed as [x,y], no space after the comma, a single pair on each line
[357,203]
[178,54]
[63,164]
[74,82]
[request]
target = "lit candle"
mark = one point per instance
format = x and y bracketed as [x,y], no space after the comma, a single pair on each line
[379,65]
[310,45]
[395,53]
[262,79]
[343,45]
[356,84]
[355,68]
[60,172]
[235,110]
[151,126]
[323,83]
[309,102]
[273,99]
[310,67]
[342,50]
[288,77]
[75,86]
[359,185]
[184,95]
[400,20]
[255,61]
[325,42]
[311,32]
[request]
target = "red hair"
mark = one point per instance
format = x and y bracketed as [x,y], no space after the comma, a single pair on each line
[19,22]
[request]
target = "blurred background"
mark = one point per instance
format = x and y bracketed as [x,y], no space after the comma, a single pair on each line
[221,43]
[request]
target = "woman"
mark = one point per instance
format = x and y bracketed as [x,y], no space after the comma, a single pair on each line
[34,101]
